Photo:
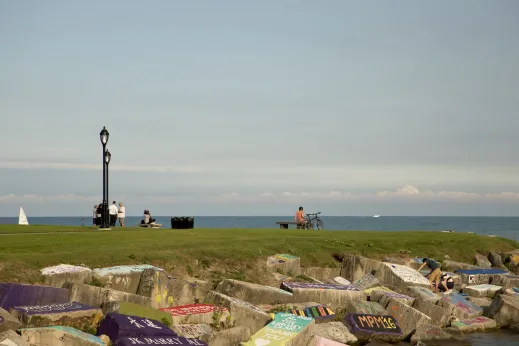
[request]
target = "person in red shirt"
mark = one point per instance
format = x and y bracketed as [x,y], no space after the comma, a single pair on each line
[300,217]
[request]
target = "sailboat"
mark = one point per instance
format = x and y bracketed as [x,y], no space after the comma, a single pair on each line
[376,215]
[22,219]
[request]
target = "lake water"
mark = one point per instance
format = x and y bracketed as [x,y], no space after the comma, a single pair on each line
[499,338]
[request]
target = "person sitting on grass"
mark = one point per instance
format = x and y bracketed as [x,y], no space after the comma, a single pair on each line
[446,283]
[434,274]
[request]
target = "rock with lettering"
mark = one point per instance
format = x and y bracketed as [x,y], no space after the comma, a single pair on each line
[158,340]
[482,261]
[429,332]
[125,278]
[191,331]
[12,295]
[59,336]
[97,296]
[354,267]
[242,313]
[76,315]
[285,329]
[227,337]
[400,276]
[453,266]
[480,323]
[504,310]
[320,341]
[321,274]
[440,316]
[154,283]
[506,281]
[57,275]
[481,291]
[253,293]
[126,308]
[117,326]
[365,307]
[373,327]
[11,338]
[8,321]
[285,263]
[335,331]
[408,318]
[330,295]
[341,281]
[384,297]
[460,307]
[365,282]
[198,313]
[423,294]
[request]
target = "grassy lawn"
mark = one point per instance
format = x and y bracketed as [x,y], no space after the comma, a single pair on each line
[228,252]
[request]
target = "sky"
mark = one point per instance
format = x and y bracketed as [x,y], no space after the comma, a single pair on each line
[257,107]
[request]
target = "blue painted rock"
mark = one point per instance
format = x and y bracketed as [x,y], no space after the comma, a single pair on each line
[117,326]
[12,295]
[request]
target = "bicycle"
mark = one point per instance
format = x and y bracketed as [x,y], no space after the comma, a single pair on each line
[315,221]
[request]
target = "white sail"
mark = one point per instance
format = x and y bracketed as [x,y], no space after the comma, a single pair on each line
[22,219]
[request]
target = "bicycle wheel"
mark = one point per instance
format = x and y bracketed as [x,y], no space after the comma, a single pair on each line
[320,225]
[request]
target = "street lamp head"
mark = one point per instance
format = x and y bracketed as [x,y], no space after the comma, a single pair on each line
[108,156]
[103,135]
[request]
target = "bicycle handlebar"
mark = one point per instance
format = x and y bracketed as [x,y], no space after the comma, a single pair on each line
[314,213]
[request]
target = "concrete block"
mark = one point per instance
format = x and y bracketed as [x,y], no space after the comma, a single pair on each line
[384,297]
[8,321]
[76,315]
[12,295]
[365,307]
[354,267]
[481,302]
[159,340]
[97,296]
[57,275]
[117,326]
[154,284]
[11,338]
[504,310]
[197,313]
[481,291]
[333,296]
[340,281]
[482,261]
[400,276]
[507,281]
[480,323]
[321,274]
[285,329]
[320,341]
[242,312]
[188,291]
[335,331]
[409,319]
[125,278]
[253,293]
[423,294]
[284,263]
[227,337]
[192,331]
[439,315]
[460,307]
[495,260]
[59,336]
[365,282]
[367,327]
[454,266]
[429,332]
[514,292]
[126,308]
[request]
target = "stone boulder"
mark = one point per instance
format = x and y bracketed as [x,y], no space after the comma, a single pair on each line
[242,312]
[8,321]
[355,267]
[193,331]
[384,297]
[76,315]
[513,263]
[12,295]
[321,274]
[125,278]
[335,331]
[97,296]
[365,307]
[495,260]
[409,319]
[504,310]
[365,282]
[440,316]
[284,263]
[367,327]
[227,337]
[253,293]
[428,332]
[59,336]
[198,313]
[482,261]
[423,294]
[285,329]
[460,307]
[57,275]
[480,323]
[453,266]
[482,291]
[11,338]
[333,296]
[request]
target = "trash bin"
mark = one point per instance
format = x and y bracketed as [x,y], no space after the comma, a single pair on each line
[182,222]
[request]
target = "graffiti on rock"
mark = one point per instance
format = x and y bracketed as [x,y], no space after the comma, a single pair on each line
[289,286]
[407,274]
[54,308]
[462,304]
[374,324]
[282,329]
[64,268]
[193,309]
[318,312]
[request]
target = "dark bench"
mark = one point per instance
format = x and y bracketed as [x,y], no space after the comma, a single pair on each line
[155,225]
[284,224]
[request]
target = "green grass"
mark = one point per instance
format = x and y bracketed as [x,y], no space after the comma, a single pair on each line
[217,253]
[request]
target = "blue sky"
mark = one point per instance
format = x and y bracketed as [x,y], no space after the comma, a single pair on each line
[254,108]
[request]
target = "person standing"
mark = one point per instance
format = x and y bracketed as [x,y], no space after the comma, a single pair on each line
[113,214]
[99,214]
[121,213]
[94,221]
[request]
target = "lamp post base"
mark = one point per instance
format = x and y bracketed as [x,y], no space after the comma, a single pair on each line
[104,229]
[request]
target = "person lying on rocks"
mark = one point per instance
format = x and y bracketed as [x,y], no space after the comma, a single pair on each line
[434,274]
[446,283]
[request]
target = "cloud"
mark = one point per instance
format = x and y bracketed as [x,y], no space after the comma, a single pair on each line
[98,167]
[32,198]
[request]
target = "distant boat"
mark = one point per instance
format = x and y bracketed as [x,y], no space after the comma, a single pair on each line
[376,215]
[22,219]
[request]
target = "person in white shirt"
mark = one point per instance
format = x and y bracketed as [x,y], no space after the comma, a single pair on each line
[113,214]
[121,213]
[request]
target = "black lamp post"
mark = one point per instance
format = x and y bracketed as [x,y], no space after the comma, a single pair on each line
[103,135]
[108,156]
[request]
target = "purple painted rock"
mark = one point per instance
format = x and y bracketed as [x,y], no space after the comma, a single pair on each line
[12,295]
[379,327]
[118,326]
[143,340]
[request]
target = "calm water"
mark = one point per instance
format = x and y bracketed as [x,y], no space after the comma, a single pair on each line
[501,226]
[501,338]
